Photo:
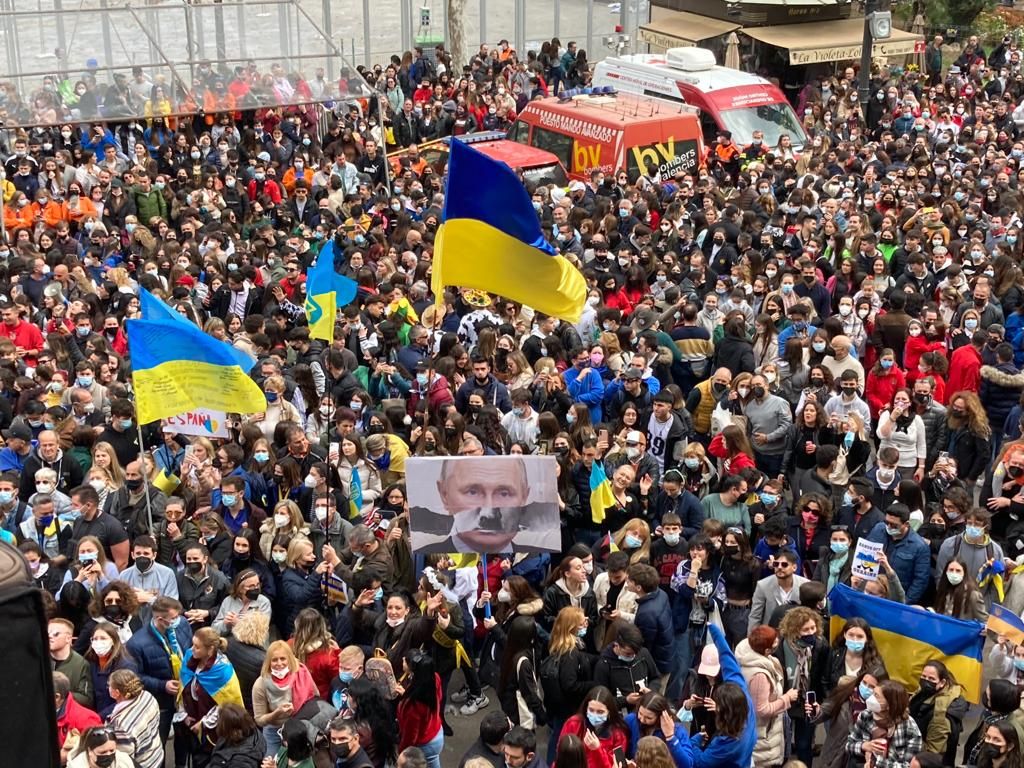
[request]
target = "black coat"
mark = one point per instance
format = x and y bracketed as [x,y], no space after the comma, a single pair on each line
[622,677]
[736,354]
[248,663]
[248,754]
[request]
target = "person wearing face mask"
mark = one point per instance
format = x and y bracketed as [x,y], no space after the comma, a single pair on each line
[149,579]
[246,596]
[201,588]
[284,686]
[885,729]
[973,548]
[1001,387]
[300,582]
[99,749]
[908,553]
[106,654]
[804,656]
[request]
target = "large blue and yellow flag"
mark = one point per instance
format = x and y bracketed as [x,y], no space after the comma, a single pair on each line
[601,495]
[176,367]
[490,240]
[908,637]
[326,290]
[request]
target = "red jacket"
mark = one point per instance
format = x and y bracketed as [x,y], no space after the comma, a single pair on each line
[24,335]
[734,464]
[880,389]
[964,370]
[603,756]
[915,347]
[440,394]
[75,718]
[417,723]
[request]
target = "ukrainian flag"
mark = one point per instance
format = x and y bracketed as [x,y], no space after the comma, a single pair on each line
[219,681]
[1003,621]
[176,367]
[908,637]
[355,495]
[601,496]
[326,290]
[491,240]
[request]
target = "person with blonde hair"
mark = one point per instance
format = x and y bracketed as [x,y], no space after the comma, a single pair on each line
[247,649]
[575,673]
[207,680]
[278,409]
[135,719]
[104,457]
[283,687]
[652,752]
[634,538]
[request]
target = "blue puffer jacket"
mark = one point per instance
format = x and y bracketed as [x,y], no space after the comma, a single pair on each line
[654,620]
[1001,386]
[298,591]
[153,662]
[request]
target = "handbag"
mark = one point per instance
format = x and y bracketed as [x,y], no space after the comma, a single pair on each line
[840,474]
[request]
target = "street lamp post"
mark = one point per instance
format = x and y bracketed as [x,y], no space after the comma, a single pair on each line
[863,89]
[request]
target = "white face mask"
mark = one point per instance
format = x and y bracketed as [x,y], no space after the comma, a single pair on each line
[281,521]
[589,567]
[101,645]
[395,622]
[321,513]
[504,596]
[280,674]
[309,481]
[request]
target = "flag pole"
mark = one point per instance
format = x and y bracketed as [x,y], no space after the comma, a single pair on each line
[145,476]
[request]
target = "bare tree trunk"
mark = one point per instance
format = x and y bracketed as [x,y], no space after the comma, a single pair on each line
[457,33]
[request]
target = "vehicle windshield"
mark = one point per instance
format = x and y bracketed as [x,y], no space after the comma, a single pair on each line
[773,120]
[546,174]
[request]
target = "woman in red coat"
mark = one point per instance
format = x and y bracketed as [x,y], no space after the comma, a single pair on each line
[316,648]
[419,708]
[615,296]
[733,448]
[600,727]
[883,381]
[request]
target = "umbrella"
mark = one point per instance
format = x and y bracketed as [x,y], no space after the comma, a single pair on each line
[732,51]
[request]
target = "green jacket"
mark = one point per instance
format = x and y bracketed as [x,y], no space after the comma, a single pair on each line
[149,205]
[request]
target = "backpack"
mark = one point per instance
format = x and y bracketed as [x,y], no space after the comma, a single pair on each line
[550,682]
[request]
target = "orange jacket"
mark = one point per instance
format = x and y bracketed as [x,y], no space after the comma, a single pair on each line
[52,213]
[16,218]
[84,210]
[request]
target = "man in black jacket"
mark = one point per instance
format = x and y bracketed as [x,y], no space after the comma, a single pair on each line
[239,296]
[488,746]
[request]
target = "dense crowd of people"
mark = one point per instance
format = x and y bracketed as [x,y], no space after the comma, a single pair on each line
[787,351]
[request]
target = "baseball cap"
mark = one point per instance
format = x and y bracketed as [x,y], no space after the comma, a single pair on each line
[709,662]
[633,374]
[18,431]
[633,437]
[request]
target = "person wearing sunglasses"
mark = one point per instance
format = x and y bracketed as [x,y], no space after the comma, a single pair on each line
[98,749]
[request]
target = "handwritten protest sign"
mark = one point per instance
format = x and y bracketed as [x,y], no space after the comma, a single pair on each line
[865,560]
[201,421]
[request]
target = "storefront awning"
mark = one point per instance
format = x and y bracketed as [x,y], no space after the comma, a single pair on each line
[815,42]
[683,29]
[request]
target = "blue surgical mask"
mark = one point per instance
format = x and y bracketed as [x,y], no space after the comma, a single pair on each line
[379,594]
[974,531]
[625,659]
[229,499]
[632,542]
[581,632]
[421,379]
[672,539]
[769,499]
[271,397]
[1018,664]
[886,364]
[893,531]
[847,499]
[345,676]
[570,418]
[6,497]
[684,715]
[691,462]
[357,407]
[623,213]
[126,423]
[261,456]
[855,645]
[596,720]
[865,691]
[839,547]
[85,382]
[518,412]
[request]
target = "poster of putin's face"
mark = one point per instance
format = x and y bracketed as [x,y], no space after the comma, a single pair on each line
[483,504]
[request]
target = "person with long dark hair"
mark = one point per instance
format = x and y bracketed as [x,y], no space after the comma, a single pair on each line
[518,683]
[735,716]
[957,593]
[885,729]
[374,721]
[419,707]
[1002,748]
[239,740]
[599,725]
[939,708]
[854,651]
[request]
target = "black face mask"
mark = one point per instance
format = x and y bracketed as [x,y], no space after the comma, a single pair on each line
[143,563]
[241,558]
[105,761]
[921,398]
[1015,472]
[192,568]
[113,612]
[450,431]
[133,485]
[375,429]
[758,392]
[341,751]
[252,594]
[927,687]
